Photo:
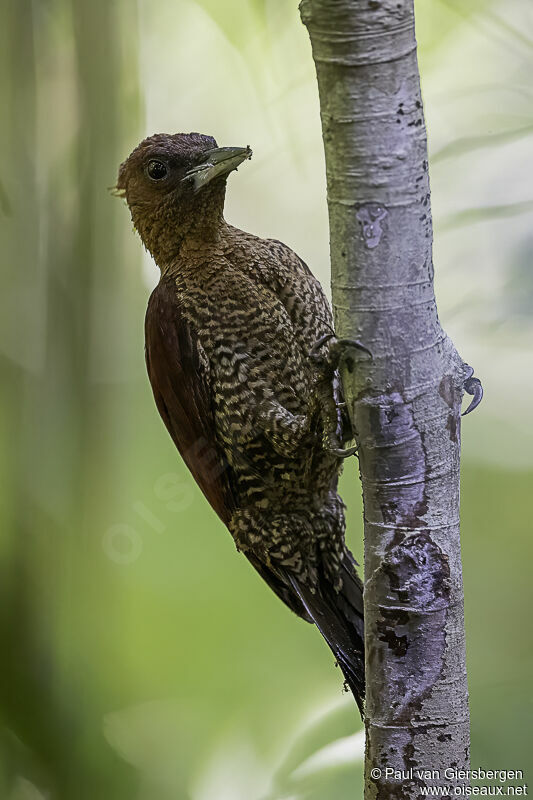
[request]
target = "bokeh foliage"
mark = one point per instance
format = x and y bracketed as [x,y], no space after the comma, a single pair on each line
[141,657]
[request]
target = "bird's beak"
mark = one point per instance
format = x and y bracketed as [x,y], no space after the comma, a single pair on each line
[217,162]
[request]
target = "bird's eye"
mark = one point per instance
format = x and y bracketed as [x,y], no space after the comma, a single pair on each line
[157,170]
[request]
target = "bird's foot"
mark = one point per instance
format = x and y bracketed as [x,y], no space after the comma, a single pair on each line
[343,452]
[334,447]
[338,351]
[472,386]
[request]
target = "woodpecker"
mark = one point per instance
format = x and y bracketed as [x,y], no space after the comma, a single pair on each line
[242,360]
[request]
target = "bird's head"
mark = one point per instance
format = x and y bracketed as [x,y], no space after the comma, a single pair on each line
[174,185]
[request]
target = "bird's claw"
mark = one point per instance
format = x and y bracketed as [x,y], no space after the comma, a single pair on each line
[473,387]
[341,452]
[346,344]
[329,390]
[335,448]
[336,350]
[313,353]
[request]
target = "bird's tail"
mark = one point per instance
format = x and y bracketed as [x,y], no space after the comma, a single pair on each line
[338,616]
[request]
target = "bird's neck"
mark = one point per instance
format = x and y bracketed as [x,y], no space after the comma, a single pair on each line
[195,226]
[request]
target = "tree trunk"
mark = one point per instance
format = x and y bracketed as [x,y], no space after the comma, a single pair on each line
[405,402]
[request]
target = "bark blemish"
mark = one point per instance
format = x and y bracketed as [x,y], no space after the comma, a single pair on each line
[389,511]
[370,217]
[408,755]
[452,426]
[393,622]
[395,453]
[418,572]
[447,390]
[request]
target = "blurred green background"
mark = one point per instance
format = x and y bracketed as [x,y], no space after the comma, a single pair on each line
[140,657]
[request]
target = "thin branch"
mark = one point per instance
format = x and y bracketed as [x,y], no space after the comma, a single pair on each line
[405,402]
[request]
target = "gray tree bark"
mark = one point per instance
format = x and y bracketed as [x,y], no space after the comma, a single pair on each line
[404,403]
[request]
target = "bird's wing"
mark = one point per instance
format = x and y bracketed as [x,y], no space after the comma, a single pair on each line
[179,375]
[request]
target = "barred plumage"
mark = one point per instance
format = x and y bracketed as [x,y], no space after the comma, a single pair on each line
[229,330]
